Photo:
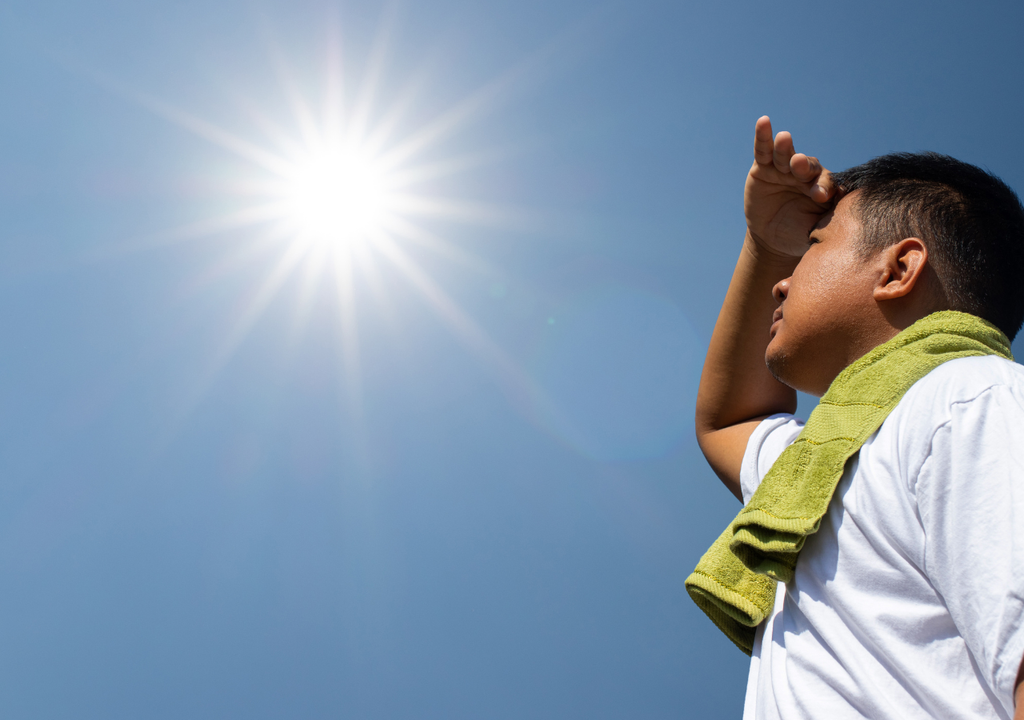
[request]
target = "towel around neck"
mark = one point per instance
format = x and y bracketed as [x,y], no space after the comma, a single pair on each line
[734,582]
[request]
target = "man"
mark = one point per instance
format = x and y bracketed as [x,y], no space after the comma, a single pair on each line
[904,596]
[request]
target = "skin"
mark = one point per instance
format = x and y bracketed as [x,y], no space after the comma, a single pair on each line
[804,302]
[819,323]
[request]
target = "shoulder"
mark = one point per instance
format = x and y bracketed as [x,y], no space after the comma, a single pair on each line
[960,381]
[971,403]
[773,435]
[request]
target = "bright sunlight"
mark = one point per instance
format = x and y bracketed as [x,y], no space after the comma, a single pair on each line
[344,192]
[338,196]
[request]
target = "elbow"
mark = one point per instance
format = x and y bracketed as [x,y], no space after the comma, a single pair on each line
[703,430]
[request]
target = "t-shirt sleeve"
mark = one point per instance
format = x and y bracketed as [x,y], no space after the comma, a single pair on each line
[970,496]
[773,435]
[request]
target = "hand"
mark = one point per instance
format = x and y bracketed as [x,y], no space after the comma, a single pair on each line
[785,195]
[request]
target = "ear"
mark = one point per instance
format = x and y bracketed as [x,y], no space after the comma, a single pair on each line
[903,267]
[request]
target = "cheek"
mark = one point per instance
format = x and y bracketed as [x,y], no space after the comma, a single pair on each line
[828,287]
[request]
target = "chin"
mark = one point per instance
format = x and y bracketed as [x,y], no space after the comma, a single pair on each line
[776,363]
[777,359]
[780,365]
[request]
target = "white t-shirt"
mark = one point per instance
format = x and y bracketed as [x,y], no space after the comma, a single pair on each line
[909,601]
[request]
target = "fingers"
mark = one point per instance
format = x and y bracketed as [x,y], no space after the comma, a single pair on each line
[767,151]
[764,146]
[783,152]
[824,189]
[780,153]
[807,169]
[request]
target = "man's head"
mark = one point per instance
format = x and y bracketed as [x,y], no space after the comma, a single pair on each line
[971,222]
[911,234]
[828,315]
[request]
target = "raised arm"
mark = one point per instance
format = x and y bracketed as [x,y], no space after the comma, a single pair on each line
[786,193]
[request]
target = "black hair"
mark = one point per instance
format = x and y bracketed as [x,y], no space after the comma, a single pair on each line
[970,220]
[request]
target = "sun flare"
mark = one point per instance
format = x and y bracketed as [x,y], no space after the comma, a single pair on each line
[339,188]
[338,196]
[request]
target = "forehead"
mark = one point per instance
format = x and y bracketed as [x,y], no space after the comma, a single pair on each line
[842,220]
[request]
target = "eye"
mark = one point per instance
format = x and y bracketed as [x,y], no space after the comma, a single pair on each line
[812,240]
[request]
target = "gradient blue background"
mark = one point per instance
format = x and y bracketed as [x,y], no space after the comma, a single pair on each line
[180,539]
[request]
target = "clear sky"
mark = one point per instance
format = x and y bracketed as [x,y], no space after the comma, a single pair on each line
[259,459]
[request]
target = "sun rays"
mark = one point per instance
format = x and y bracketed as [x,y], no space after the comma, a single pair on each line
[346,186]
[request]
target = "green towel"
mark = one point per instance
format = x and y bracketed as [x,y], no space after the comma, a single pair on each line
[734,583]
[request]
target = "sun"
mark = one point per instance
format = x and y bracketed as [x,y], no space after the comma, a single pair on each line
[338,195]
[341,193]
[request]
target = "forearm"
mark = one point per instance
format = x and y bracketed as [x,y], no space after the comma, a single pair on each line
[736,388]
[785,196]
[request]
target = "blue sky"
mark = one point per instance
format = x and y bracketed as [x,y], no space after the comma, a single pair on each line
[458,479]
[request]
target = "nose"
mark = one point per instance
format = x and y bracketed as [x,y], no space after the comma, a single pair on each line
[781,289]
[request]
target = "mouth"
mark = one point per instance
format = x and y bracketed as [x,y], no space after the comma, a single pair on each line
[776,319]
